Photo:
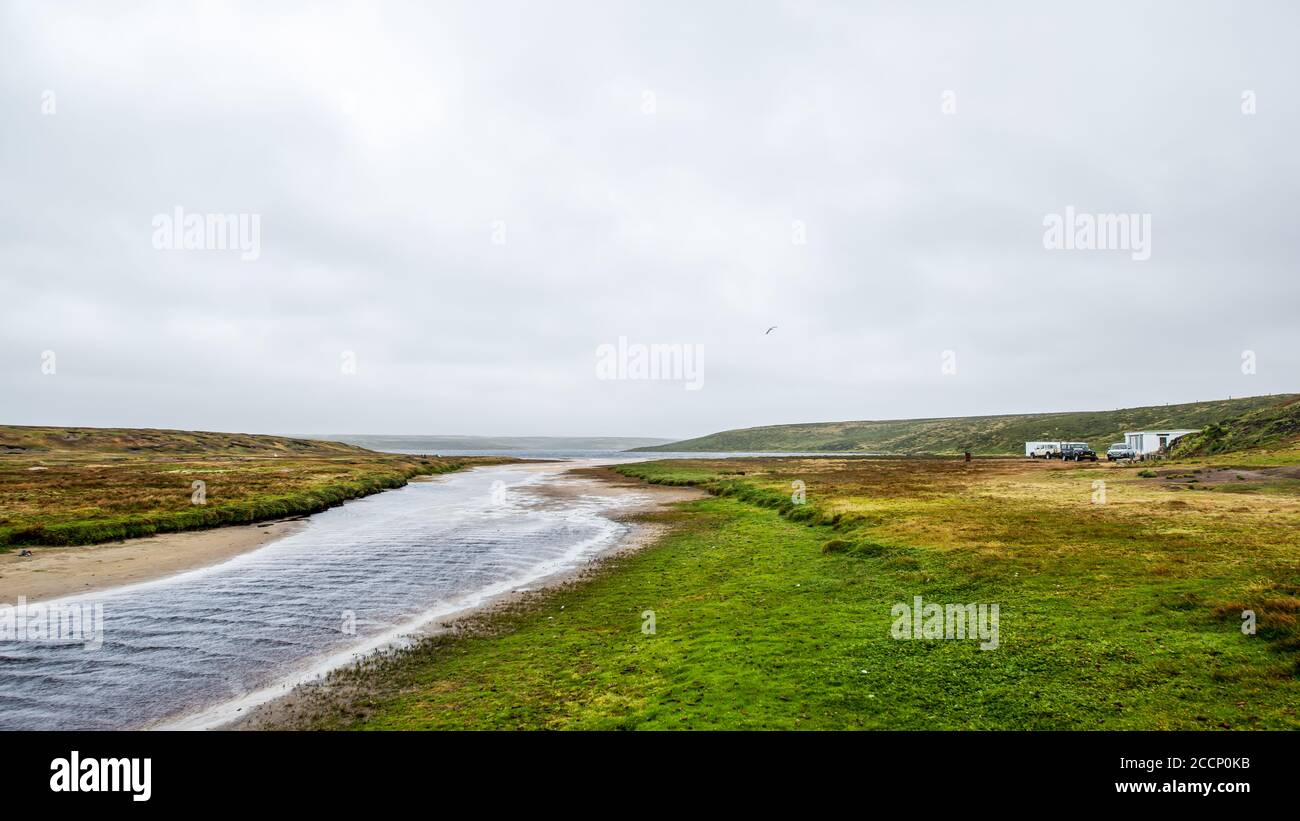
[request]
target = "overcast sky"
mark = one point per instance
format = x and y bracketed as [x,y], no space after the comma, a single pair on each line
[470,199]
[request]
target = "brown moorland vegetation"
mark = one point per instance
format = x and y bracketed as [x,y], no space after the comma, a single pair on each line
[69,486]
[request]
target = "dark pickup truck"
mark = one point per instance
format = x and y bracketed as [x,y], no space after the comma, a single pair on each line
[1078,453]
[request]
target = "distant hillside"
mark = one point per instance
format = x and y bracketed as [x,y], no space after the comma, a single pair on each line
[989,435]
[16,439]
[1270,427]
[66,486]
[439,444]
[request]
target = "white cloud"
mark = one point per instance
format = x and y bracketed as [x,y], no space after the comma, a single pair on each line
[380,143]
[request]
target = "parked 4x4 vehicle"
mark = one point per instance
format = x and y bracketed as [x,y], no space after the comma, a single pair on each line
[1078,452]
[1044,452]
[1120,450]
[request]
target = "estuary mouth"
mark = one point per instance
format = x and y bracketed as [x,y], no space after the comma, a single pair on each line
[355,578]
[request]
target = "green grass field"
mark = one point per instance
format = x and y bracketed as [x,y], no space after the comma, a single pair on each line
[770,614]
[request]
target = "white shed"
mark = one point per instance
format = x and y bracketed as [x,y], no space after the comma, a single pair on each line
[1152,441]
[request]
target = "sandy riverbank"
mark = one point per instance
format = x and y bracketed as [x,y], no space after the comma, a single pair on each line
[297,703]
[55,572]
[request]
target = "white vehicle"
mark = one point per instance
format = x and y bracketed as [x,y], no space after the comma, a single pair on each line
[1032,447]
[1120,450]
[1050,450]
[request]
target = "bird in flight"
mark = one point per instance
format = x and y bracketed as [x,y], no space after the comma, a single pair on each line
[769,330]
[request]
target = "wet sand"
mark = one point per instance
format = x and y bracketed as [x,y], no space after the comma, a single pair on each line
[54,572]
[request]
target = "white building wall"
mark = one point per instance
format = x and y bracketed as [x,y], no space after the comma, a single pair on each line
[1148,441]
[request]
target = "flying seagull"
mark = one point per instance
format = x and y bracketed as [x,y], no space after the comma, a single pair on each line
[769,330]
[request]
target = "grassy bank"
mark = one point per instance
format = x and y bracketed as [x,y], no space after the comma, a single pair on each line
[71,486]
[1266,432]
[769,614]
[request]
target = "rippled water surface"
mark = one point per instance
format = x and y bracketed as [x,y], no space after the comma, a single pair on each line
[209,636]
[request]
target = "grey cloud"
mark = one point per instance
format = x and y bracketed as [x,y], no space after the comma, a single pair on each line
[380,144]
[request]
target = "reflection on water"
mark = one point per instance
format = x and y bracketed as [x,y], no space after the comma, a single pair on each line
[213,635]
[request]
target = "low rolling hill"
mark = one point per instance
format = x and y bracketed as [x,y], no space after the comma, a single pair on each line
[68,486]
[123,442]
[986,435]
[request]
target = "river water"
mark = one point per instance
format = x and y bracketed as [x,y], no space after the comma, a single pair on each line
[356,577]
